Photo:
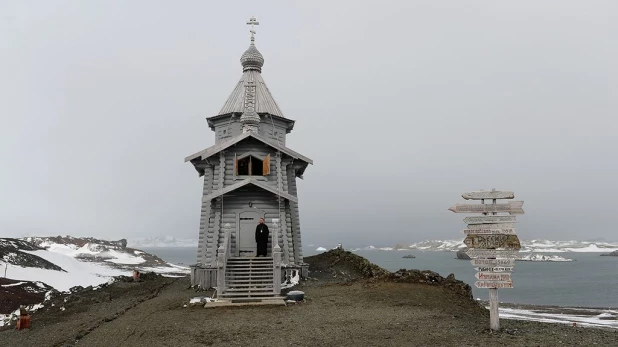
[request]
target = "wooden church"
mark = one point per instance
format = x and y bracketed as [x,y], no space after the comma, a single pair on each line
[249,174]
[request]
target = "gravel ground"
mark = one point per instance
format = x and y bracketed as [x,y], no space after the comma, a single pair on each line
[358,313]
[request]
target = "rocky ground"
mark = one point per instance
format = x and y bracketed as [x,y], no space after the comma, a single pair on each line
[348,302]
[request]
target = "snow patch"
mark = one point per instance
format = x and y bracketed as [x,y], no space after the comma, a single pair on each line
[77,273]
[542,257]
[585,319]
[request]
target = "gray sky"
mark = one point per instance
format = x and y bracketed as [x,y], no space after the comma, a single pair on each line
[402,105]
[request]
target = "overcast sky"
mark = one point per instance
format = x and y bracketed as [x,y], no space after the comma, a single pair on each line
[402,105]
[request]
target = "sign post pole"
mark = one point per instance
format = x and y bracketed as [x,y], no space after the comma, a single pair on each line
[494,312]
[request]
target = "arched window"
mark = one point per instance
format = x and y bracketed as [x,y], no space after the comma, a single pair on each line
[252,165]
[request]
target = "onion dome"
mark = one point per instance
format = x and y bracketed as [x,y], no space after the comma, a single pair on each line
[252,59]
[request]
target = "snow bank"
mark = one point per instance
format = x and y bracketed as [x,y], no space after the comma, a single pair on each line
[320,249]
[589,317]
[77,273]
[542,257]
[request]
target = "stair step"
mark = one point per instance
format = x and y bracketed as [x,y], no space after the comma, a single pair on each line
[249,258]
[247,295]
[250,266]
[228,290]
[245,270]
[250,287]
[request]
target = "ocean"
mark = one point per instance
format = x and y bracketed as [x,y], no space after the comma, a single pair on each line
[590,281]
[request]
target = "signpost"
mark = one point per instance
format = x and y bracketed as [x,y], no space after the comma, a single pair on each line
[492,253]
[495,269]
[491,226]
[489,231]
[512,207]
[489,219]
[493,276]
[492,243]
[493,262]
[493,194]
[493,285]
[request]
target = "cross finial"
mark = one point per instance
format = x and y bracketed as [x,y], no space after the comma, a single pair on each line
[252,21]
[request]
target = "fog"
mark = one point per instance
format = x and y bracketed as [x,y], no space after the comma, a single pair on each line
[402,105]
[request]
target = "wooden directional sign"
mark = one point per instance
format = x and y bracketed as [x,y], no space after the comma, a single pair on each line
[495,269]
[493,276]
[491,194]
[492,241]
[509,231]
[492,262]
[491,226]
[489,219]
[512,207]
[493,284]
[492,253]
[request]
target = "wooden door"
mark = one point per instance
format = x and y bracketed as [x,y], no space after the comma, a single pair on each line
[247,221]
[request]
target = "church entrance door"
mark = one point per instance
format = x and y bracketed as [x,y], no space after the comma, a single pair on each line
[247,221]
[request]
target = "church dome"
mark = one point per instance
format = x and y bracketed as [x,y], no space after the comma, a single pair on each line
[252,59]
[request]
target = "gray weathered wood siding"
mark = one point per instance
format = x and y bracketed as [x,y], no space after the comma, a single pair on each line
[295,216]
[273,129]
[205,214]
[238,201]
[220,173]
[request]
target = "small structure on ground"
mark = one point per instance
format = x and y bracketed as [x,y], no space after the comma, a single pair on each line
[249,174]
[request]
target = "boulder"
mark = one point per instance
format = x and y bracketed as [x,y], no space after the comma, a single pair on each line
[462,255]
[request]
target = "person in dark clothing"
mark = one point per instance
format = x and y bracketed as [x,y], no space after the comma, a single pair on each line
[261,237]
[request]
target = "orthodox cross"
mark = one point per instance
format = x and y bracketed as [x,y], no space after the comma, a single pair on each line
[252,21]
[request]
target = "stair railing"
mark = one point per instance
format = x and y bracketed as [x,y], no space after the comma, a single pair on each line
[276,258]
[223,253]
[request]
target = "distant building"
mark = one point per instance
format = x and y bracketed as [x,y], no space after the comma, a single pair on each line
[248,174]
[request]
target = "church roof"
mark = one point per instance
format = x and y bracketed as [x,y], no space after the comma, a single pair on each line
[264,101]
[245,182]
[210,151]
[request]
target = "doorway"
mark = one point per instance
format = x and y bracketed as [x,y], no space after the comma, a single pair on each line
[247,221]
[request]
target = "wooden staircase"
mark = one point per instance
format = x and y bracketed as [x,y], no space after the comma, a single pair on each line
[249,278]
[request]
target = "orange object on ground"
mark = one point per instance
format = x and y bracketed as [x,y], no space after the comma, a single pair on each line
[23,322]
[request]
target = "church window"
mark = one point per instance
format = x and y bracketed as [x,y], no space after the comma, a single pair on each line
[251,165]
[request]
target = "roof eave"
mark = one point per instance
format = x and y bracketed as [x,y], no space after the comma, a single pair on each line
[289,128]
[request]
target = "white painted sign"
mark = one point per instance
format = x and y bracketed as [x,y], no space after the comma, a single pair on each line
[489,219]
[493,284]
[492,262]
[492,253]
[493,276]
[491,194]
[512,207]
[509,231]
[492,226]
[495,269]
[492,241]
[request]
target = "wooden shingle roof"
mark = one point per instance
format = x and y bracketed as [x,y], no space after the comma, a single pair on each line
[264,101]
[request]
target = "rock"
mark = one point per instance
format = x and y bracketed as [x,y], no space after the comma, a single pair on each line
[612,254]
[462,255]
[432,278]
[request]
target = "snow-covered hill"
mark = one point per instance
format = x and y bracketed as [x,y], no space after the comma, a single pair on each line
[65,262]
[161,241]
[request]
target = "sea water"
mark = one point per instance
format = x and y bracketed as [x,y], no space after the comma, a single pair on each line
[590,281]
